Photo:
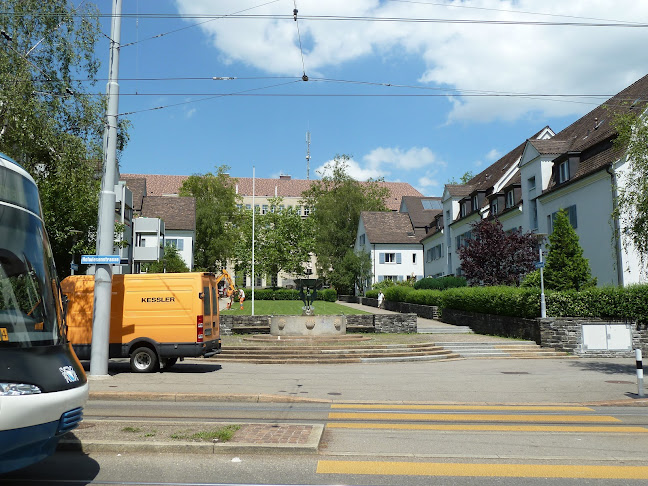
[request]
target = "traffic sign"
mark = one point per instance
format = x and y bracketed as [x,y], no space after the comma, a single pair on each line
[100,259]
[539,264]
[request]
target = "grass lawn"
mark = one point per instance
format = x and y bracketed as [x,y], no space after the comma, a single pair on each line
[288,308]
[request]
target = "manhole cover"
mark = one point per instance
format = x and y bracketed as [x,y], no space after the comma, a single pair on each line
[620,382]
[515,372]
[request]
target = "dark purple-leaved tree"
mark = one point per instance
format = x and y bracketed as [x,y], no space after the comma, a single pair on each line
[494,257]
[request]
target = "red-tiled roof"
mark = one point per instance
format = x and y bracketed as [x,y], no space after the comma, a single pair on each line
[165,185]
[388,227]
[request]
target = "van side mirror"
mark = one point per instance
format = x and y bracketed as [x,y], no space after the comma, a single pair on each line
[201,295]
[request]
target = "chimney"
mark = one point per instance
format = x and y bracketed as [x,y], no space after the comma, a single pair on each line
[283,177]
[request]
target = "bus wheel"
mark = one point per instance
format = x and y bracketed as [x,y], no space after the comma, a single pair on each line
[143,360]
[167,362]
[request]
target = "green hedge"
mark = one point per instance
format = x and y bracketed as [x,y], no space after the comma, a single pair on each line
[425,297]
[605,302]
[500,300]
[440,283]
[329,295]
[372,294]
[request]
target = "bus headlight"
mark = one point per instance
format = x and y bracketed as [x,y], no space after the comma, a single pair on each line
[12,389]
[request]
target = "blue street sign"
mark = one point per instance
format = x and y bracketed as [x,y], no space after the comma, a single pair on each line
[100,259]
[539,264]
[74,267]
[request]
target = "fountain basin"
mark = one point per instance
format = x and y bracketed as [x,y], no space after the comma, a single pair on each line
[308,325]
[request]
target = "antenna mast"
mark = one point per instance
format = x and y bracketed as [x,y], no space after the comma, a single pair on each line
[308,155]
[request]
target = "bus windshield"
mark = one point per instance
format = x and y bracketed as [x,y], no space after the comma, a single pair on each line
[30,303]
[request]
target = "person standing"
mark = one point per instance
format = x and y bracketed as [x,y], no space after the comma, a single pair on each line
[241,297]
[381,300]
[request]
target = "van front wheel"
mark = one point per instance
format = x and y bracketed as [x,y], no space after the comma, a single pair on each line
[144,360]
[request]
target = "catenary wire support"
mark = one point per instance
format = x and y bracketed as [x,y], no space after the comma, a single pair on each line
[301,50]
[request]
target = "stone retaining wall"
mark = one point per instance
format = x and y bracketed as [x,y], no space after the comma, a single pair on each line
[394,323]
[513,327]
[566,334]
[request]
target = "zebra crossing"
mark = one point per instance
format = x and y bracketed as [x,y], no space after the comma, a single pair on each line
[494,425]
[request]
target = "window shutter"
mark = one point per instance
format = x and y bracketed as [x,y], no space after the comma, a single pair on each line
[572,216]
[398,258]
[382,258]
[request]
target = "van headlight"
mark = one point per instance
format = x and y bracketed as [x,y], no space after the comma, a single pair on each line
[13,389]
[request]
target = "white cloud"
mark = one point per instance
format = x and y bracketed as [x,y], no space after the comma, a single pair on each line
[473,58]
[493,155]
[354,169]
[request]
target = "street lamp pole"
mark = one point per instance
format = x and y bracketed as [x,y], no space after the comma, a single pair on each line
[543,304]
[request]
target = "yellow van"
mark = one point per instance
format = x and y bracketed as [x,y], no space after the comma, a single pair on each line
[155,318]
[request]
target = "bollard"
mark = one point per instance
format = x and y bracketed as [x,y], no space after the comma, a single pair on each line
[640,382]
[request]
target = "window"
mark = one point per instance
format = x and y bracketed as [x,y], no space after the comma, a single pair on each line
[435,253]
[563,172]
[176,243]
[571,213]
[510,199]
[248,206]
[390,258]
[493,207]
[463,210]
[531,182]
[306,211]
[361,240]
[461,239]
[264,209]
[274,280]
[414,258]
[534,214]
[475,203]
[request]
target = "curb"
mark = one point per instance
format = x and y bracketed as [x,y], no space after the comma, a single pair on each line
[89,446]
[262,398]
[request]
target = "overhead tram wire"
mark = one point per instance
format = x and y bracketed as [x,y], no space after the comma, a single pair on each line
[624,24]
[523,12]
[211,97]
[163,34]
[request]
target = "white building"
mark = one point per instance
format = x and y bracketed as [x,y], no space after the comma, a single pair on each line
[576,170]
[393,245]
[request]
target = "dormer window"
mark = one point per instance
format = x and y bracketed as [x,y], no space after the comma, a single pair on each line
[563,172]
[475,203]
[493,207]
[510,199]
[463,210]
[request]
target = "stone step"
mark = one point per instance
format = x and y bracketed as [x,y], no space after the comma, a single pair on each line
[502,349]
[333,359]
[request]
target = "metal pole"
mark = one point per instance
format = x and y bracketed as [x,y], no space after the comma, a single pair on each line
[640,382]
[106,224]
[253,211]
[543,304]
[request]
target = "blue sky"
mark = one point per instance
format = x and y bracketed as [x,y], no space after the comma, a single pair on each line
[461,96]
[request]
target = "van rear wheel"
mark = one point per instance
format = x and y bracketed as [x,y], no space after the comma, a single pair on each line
[144,360]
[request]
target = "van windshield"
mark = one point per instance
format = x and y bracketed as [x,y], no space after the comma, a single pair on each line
[30,305]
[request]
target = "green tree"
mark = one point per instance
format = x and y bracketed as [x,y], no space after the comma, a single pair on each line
[217,217]
[353,273]
[171,262]
[632,199]
[49,121]
[463,179]
[335,203]
[566,268]
[283,241]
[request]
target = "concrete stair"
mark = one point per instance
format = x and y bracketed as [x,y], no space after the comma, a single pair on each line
[502,349]
[321,353]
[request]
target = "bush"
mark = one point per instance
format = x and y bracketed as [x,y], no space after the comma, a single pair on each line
[384,285]
[500,300]
[397,293]
[440,283]
[424,297]
[328,295]
[531,280]
[372,294]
